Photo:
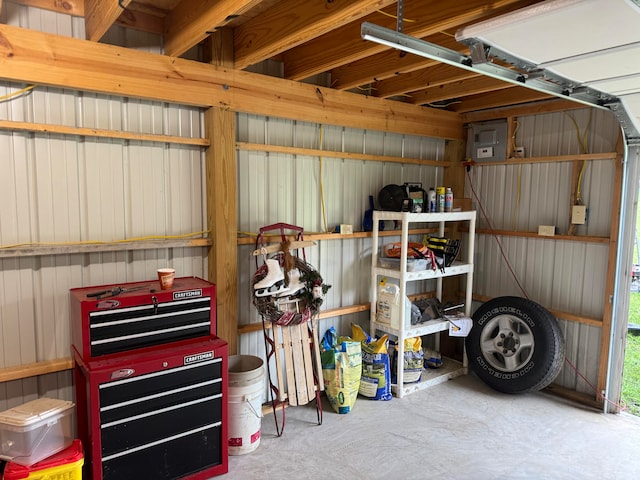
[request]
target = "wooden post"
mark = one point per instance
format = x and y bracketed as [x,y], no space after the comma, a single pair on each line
[605,334]
[454,176]
[512,128]
[220,159]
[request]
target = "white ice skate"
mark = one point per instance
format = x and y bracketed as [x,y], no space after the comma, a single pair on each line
[295,285]
[273,282]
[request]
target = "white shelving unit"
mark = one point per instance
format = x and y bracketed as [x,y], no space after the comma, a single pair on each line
[463,266]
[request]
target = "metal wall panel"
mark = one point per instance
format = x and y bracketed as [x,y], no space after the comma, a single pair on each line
[287,187]
[63,188]
[560,275]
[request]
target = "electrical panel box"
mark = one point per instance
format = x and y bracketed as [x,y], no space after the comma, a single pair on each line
[579,214]
[487,141]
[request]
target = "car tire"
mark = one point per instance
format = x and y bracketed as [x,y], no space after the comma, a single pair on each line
[515,345]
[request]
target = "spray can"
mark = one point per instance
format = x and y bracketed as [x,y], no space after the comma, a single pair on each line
[448,200]
[432,200]
[440,192]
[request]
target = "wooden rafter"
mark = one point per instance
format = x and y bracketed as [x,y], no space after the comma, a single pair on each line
[547,106]
[427,78]
[462,88]
[100,15]
[141,21]
[385,65]
[344,45]
[193,20]
[292,23]
[509,96]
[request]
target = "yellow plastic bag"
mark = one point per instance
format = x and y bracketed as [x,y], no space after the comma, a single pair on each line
[376,381]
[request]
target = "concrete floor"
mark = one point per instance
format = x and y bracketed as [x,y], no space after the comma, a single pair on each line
[457,430]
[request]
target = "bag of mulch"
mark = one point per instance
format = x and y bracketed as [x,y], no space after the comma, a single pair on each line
[375,382]
[432,358]
[341,359]
[412,361]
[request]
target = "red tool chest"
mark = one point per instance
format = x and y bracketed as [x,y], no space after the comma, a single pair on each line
[151,381]
[144,317]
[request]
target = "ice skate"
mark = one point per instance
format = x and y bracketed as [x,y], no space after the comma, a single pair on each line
[295,285]
[273,282]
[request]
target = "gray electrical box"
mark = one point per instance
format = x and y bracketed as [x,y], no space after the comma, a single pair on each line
[487,141]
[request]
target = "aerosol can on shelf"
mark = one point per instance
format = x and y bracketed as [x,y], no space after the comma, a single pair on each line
[432,200]
[448,200]
[440,192]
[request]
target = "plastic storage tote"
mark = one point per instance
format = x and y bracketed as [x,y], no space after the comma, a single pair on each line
[35,430]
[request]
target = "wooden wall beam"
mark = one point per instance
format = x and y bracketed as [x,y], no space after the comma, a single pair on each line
[15,126]
[312,152]
[222,218]
[69,7]
[33,369]
[612,269]
[36,57]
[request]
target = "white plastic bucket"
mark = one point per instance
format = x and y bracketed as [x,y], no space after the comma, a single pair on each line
[246,390]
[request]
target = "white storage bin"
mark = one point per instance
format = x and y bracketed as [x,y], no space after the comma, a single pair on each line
[35,430]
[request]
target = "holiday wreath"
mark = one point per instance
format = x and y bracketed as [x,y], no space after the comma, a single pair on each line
[307,300]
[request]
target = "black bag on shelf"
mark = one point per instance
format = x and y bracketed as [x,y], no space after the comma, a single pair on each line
[409,197]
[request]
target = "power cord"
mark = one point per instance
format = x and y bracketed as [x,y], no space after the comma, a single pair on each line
[324,212]
[486,218]
[19,92]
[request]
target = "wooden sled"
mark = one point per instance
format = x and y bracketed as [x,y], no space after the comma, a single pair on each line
[295,346]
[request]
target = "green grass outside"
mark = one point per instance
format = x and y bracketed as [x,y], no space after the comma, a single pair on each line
[631,374]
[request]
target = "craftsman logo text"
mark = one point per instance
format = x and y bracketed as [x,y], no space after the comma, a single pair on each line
[187,294]
[198,357]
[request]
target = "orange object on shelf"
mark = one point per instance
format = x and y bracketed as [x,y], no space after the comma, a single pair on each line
[392,250]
